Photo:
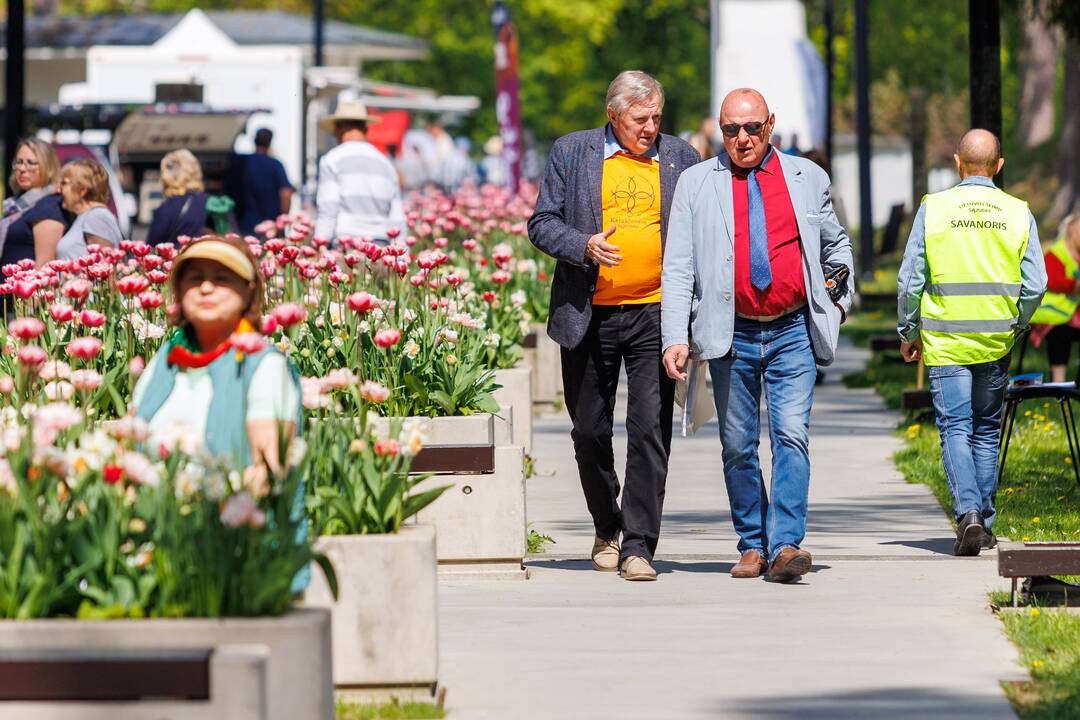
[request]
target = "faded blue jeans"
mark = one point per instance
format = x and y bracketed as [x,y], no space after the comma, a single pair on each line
[775,357]
[967,404]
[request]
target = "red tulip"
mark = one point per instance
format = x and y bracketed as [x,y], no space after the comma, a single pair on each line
[84,348]
[387,448]
[393,232]
[140,249]
[32,356]
[157,276]
[77,289]
[289,314]
[26,328]
[91,318]
[112,474]
[26,288]
[61,312]
[489,297]
[150,300]
[361,302]
[269,325]
[132,284]
[387,338]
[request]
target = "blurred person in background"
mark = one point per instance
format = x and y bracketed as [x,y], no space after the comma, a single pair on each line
[260,187]
[1057,320]
[34,219]
[359,194]
[702,140]
[457,169]
[184,210]
[493,170]
[84,187]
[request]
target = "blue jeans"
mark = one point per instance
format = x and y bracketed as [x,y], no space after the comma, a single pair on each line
[777,357]
[967,404]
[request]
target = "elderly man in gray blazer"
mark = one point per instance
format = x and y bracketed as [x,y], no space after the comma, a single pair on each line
[752,244]
[602,213]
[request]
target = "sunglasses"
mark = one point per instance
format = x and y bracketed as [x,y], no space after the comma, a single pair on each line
[732,129]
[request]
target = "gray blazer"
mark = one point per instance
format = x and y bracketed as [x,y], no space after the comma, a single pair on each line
[568,213]
[698,303]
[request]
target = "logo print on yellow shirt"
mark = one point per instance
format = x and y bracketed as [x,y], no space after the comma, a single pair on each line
[632,195]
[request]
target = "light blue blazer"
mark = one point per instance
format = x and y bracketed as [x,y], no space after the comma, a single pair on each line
[698,298]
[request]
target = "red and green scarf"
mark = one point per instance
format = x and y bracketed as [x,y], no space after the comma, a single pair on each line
[184,348]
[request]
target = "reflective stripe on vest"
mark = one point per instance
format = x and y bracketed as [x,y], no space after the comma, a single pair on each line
[975,239]
[1058,308]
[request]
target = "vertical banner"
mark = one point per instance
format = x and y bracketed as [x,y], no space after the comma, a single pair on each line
[507,103]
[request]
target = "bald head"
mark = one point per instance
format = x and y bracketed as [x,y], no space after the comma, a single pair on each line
[979,153]
[746,124]
[744,101]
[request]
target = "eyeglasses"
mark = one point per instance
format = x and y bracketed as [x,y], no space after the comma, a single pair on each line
[732,129]
[28,164]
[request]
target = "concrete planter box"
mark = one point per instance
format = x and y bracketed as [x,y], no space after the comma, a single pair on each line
[385,620]
[298,681]
[480,520]
[516,394]
[544,357]
[483,429]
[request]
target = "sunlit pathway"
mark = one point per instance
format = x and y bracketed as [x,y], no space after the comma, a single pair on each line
[888,625]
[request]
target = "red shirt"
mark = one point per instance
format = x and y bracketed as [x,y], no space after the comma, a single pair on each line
[1056,279]
[785,253]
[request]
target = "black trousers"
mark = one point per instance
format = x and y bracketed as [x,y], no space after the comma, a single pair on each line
[619,333]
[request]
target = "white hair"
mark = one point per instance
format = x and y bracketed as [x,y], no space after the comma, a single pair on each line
[632,87]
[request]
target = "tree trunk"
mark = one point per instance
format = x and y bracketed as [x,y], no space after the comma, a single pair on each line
[1069,146]
[919,123]
[1039,47]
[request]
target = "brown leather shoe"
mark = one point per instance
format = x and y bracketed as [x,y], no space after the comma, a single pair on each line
[750,565]
[789,565]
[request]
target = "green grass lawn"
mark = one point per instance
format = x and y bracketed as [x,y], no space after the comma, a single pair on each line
[393,710]
[1049,642]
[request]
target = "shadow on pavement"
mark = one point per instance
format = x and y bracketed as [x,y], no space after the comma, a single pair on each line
[902,703]
[938,546]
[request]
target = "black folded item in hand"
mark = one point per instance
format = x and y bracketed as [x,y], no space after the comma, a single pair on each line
[836,282]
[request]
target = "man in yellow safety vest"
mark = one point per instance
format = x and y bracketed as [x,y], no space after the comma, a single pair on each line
[971,279]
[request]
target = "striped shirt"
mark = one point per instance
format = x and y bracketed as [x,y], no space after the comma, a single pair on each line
[359,194]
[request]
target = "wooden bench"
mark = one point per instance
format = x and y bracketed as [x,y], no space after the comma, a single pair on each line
[1037,559]
[228,682]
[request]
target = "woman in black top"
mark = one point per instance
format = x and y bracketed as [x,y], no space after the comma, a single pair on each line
[33,220]
[184,210]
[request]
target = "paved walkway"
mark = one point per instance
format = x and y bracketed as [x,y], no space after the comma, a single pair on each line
[888,624]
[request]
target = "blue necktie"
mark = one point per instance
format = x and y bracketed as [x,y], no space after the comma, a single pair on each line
[760,271]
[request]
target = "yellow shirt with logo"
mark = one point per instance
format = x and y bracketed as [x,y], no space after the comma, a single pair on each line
[630,192]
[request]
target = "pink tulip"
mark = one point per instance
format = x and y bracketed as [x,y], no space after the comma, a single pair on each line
[393,232]
[157,276]
[99,271]
[32,356]
[26,328]
[151,300]
[77,289]
[387,338]
[140,249]
[269,325]
[61,312]
[84,348]
[500,277]
[91,318]
[7,384]
[469,244]
[373,392]
[289,314]
[361,302]
[136,366]
[132,284]
[86,379]
[248,343]
[26,288]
